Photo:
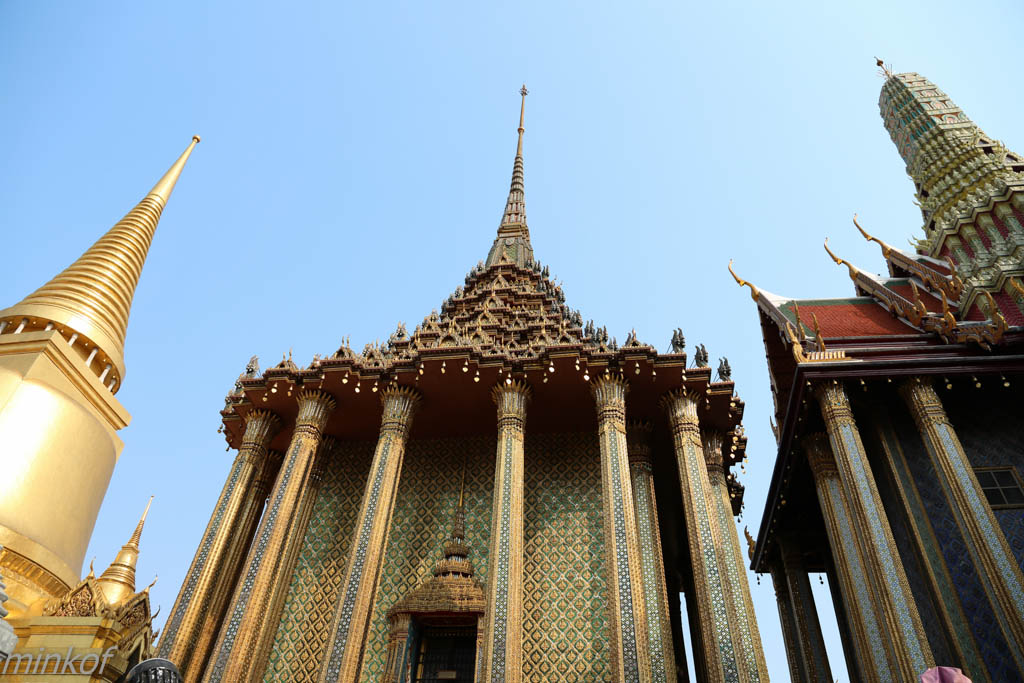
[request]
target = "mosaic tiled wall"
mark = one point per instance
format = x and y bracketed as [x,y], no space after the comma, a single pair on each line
[991,432]
[427,495]
[565,622]
[564,606]
[990,642]
[301,642]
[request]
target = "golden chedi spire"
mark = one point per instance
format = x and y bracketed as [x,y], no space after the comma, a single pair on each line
[93,296]
[117,582]
[513,241]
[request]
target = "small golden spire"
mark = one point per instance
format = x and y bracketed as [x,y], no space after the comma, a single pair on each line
[118,580]
[93,296]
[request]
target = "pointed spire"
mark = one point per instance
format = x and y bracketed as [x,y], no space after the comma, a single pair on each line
[513,241]
[118,580]
[456,552]
[93,296]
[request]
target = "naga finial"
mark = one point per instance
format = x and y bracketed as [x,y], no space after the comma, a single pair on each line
[842,262]
[751,543]
[886,249]
[755,294]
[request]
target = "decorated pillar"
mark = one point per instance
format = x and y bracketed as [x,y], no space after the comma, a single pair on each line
[630,655]
[984,538]
[899,616]
[720,640]
[652,564]
[739,605]
[295,540]
[807,630]
[861,607]
[209,582]
[347,642]
[502,654]
[789,637]
[235,655]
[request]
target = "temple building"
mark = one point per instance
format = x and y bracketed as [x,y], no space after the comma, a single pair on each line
[502,493]
[61,364]
[898,413]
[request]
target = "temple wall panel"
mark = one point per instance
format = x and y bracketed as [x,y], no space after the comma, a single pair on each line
[988,422]
[903,532]
[300,644]
[565,627]
[427,496]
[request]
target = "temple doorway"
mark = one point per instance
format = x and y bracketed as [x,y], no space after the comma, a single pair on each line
[445,653]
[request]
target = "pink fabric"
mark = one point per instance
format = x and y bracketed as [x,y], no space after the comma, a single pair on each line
[944,674]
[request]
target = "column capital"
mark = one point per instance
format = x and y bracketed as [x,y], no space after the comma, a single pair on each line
[638,442]
[260,427]
[712,441]
[399,403]
[819,455]
[681,406]
[511,398]
[315,406]
[609,391]
[835,404]
[923,401]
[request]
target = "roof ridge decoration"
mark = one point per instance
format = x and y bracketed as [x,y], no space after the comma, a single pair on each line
[512,244]
[947,325]
[952,285]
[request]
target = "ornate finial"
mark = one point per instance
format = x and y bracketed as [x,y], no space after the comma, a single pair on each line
[522,113]
[751,544]
[886,249]
[884,70]
[842,262]
[754,292]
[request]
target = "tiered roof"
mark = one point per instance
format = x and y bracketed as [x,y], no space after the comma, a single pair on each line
[508,320]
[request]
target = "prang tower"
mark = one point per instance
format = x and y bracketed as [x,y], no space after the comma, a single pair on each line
[501,494]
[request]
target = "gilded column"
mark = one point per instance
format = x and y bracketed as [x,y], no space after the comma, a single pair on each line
[652,563]
[630,656]
[899,615]
[985,541]
[789,637]
[503,625]
[739,605]
[295,539]
[860,604]
[358,593]
[715,641]
[210,580]
[809,641]
[235,654]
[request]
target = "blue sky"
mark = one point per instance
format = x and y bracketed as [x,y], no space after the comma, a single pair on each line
[356,158]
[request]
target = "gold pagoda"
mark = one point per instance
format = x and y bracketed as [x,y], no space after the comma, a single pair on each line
[61,364]
[572,488]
